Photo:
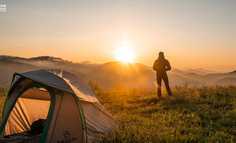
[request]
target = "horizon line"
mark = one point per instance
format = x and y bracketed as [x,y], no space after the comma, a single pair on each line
[94,63]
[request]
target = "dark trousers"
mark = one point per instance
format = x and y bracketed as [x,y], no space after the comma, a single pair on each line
[162,76]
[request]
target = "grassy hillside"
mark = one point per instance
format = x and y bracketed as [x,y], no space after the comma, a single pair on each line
[191,115]
[206,114]
[3,95]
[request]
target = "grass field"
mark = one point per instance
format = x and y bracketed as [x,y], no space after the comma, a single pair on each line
[206,114]
[3,95]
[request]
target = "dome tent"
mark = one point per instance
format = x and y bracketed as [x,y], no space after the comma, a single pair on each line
[69,106]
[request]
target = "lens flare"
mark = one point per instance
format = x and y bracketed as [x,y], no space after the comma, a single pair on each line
[125,54]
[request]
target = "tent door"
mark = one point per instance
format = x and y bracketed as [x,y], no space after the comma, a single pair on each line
[34,102]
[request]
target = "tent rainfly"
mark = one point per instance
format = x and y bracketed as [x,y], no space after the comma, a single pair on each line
[69,108]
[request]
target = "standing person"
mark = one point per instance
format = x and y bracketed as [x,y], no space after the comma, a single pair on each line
[161,65]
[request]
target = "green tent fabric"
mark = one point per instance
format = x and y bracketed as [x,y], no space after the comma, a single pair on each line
[69,106]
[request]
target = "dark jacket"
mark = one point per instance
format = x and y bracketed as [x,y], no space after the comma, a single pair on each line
[161,65]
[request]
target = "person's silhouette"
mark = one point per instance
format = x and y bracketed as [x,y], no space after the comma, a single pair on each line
[161,65]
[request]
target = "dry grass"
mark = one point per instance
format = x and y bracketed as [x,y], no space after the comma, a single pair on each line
[206,114]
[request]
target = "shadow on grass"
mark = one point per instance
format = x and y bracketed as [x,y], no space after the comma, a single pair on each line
[147,101]
[181,104]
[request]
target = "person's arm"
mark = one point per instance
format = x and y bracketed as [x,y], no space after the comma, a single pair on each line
[155,66]
[168,67]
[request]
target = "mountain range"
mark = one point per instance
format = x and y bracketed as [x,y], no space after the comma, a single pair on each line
[108,75]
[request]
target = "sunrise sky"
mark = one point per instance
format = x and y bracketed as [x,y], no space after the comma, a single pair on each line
[191,33]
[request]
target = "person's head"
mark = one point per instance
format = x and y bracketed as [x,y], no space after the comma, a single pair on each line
[161,55]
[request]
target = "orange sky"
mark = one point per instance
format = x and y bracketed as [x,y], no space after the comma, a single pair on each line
[192,34]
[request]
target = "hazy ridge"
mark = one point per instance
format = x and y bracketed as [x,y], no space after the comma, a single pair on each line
[109,74]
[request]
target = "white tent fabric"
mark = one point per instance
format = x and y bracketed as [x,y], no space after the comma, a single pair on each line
[79,87]
[64,81]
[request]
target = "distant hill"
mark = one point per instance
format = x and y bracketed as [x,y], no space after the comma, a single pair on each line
[109,74]
[132,75]
[8,67]
[46,58]
[227,81]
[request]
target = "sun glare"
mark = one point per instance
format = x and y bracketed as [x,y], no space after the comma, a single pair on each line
[125,54]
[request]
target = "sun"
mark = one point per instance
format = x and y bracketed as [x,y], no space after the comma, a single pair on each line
[125,54]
